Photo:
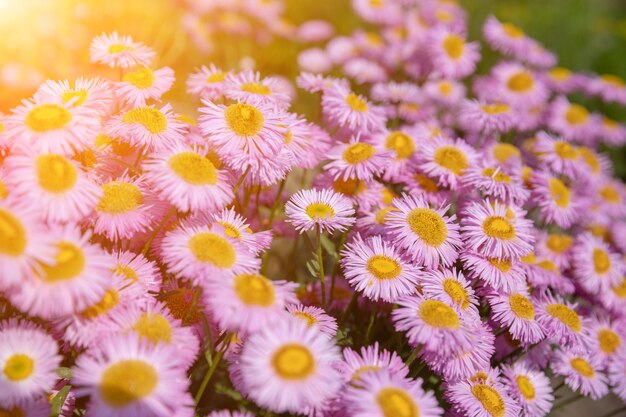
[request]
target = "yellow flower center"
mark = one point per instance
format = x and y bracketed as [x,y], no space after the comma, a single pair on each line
[503,265]
[109,300]
[445,87]
[454,46]
[69,263]
[582,367]
[78,96]
[18,367]
[512,30]
[609,341]
[212,248]
[505,151]
[127,381]
[590,159]
[620,290]
[55,173]
[119,197]
[117,48]
[349,187]
[521,82]
[496,108]
[254,290]
[498,176]
[522,307]
[153,120]
[193,168]
[499,227]
[426,183]
[318,211]
[293,362]
[388,196]
[381,214]
[356,375]
[559,243]
[256,88]
[13,412]
[613,80]
[560,74]
[356,103]
[565,150]
[142,78]
[576,114]
[86,158]
[601,261]
[154,327]
[127,272]
[46,117]
[218,77]
[358,153]
[490,399]
[610,194]
[309,318]
[401,143]
[436,313]
[383,267]
[230,230]
[4,192]
[526,388]
[559,192]
[428,225]
[244,119]
[457,292]
[451,158]
[565,315]
[12,234]
[396,402]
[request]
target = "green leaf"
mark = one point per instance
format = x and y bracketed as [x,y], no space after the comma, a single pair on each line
[328,245]
[228,391]
[65,373]
[313,266]
[58,400]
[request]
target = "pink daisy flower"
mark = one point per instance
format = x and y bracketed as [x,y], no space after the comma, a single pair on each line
[446,160]
[610,88]
[236,226]
[127,376]
[248,302]
[288,366]
[248,87]
[186,178]
[347,109]
[143,84]
[29,358]
[452,56]
[517,86]
[229,413]
[147,126]
[505,37]
[555,246]
[596,267]
[612,132]
[395,92]
[557,202]
[581,371]
[445,92]
[357,160]
[497,231]
[376,268]
[381,394]
[572,121]
[207,82]
[502,184]
[561,323]
[607,337]
[199,253]
[561,157]
[325,209]
[61,188]
[486,118]
[127,206]
[314,317]
[482,395]
[450,285]
[436,324]
[119,51]
[617,374]
[430,237]
[500,274]
[516,312]
[530,388]
[370,359]
[137,270]
[91,93]
[402,143]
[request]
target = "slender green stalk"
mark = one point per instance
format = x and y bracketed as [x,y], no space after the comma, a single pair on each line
[243,177]
[413,355]
[320,261]
[160,226]
[373,315]
[192,305]
[349,308]
[276,204]
[207,377]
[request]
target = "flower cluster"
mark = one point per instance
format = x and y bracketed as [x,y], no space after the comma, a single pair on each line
[435,240]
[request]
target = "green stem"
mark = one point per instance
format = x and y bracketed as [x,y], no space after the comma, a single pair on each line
[243,177]
[160,226]
[320,261]
[342,242]
[192,305]
[413,355]
[373,315]
[207,377]
[417,370]
[276,203]
[349,307]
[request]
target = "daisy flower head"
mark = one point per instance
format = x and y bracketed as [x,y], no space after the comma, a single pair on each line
[558,203]
[378,269]
[610,88]
[127,376]
[596,267]
[289,366]
[52,126]
[248,302]
[345,108]
[402,144]
[430,237]
[503,184]
[497,231]
[555,246]
[236,226]
[248,87]
[446,160]
[63,191]
[28,358]
[207,82]
[561,323]
[321,208]
[314,317]
[617,374]
[137,270]
[187,178]
[384,394]
[482,395]
[560,156]
[612,132]
[229,413]
[199,253]
[357,159]
[147,126]
[516,312]
[438,325]
[562,80]
[119,51]
[530,388]
[581,371]
[75,277]
[90,93]
[452,56]
[143,84]
[607,338]
[486,118]
[378,12]
[450,285]
[370,359]
[445,91]
[572,121]
[504,275]
[127,206]
[517,85]
[505,37]
[612,197]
